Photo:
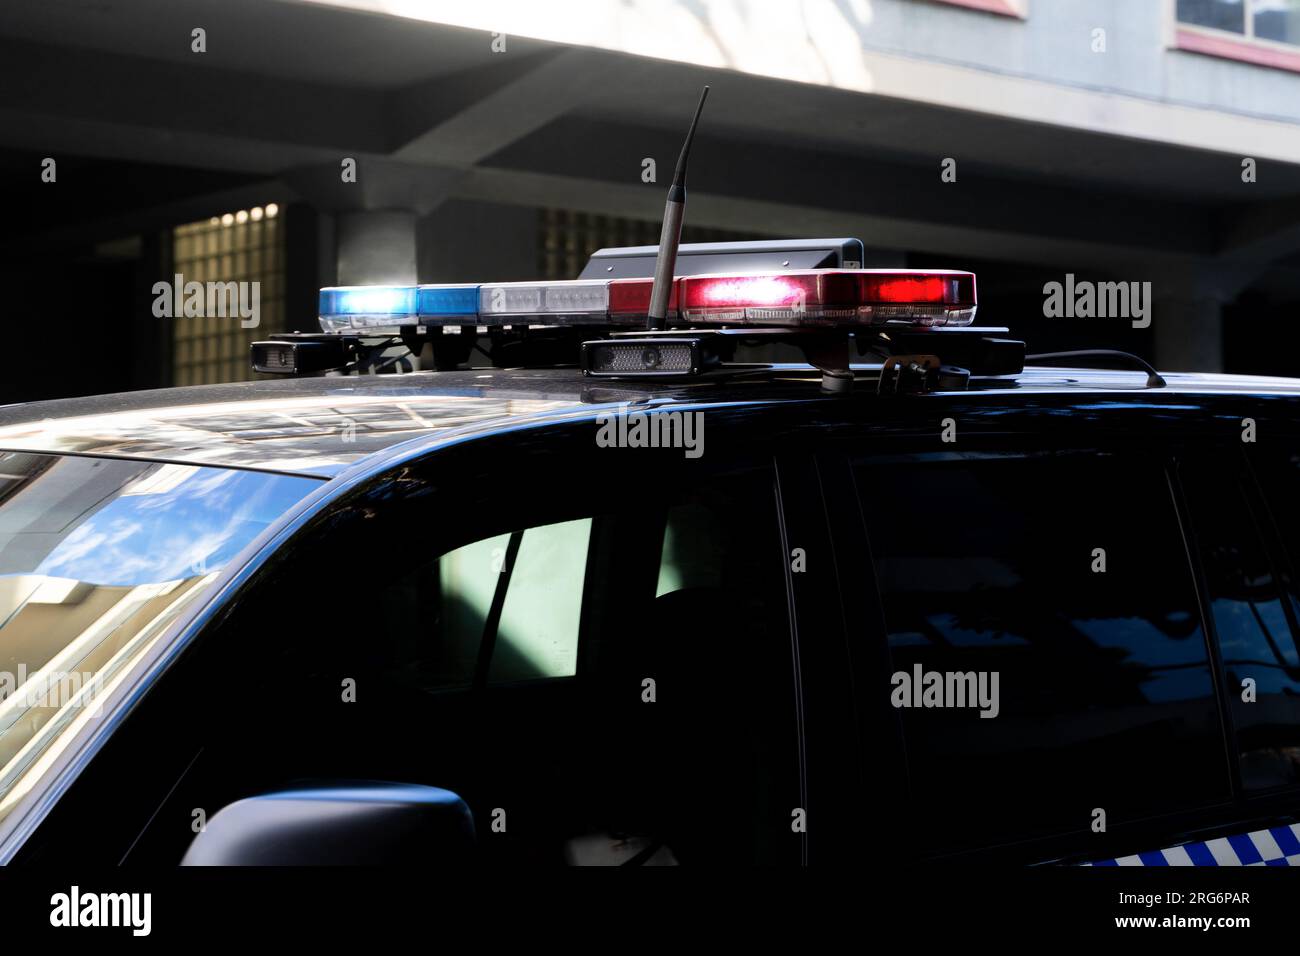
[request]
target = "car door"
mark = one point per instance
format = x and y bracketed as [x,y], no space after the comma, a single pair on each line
[593,646]
[1052,689]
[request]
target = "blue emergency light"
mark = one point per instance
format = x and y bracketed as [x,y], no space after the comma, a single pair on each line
[447,301]
[384,306]
[369,306]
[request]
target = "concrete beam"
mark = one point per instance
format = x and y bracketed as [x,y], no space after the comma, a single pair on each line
[163,216]
[769,218]
[187,100]
[1263,231]
[379,184]
[726,162]
[508,102]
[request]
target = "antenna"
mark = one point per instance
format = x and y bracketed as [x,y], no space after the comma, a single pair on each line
[671,233]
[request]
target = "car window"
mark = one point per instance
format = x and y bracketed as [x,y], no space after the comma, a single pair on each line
[1046,649]
[534,634]
[1252,587]
[97,557]
[692,554]
[538,632]
[1278,476]
[1256,641]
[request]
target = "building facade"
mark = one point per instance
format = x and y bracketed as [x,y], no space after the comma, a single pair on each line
[1150,146]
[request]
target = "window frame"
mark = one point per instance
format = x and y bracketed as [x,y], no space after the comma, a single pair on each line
[1242,47]
[1016,9]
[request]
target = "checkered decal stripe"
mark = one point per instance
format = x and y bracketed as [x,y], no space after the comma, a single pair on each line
[1277,846]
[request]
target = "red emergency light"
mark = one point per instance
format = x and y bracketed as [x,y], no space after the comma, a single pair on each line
[926,298]
[630,298]
[914,297]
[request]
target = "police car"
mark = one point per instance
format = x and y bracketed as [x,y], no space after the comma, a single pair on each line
[612,586]
[643,597]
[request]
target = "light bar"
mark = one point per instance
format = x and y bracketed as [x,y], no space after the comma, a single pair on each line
[912,298]
[926,298]
[576,302]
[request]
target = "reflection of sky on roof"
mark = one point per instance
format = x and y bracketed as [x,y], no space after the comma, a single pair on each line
[194,528]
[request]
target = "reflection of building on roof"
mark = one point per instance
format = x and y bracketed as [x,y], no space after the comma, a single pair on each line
[298,435]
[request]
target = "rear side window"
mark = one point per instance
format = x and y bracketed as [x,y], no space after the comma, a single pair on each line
[1254,611]
[1279,481]
[1052,602]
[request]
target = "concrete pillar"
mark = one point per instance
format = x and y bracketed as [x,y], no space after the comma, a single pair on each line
[376,247]
[883,258]
[1188,333]
[471,241]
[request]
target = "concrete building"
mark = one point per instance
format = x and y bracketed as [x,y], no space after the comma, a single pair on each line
[1133,141]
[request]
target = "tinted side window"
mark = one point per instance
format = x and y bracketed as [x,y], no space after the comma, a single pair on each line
[1253,616]
[1065,581]
[1279,482]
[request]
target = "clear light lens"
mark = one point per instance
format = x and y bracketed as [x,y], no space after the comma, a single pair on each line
[588,297]
[572,297]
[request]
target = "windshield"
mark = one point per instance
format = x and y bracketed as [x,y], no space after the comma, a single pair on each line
[97,557]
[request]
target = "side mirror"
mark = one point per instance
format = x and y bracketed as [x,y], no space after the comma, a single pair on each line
[356,823]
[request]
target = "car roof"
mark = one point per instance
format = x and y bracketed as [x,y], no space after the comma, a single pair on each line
[321,426]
